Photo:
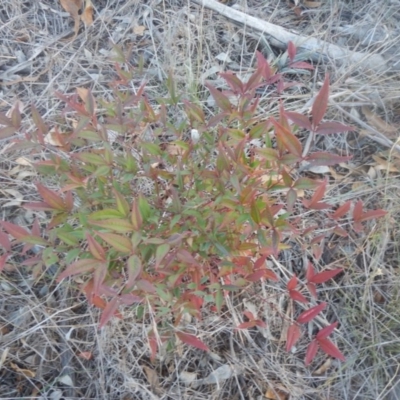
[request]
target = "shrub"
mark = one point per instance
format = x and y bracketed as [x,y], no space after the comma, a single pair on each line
[174,226]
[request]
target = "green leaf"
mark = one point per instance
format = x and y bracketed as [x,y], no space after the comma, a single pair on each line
[107,213]
[161,252]
[114,224]
[118,242]
[134,267]
[122,204]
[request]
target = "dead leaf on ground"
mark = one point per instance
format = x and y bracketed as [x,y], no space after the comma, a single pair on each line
[26,372]
[392,132]
[87,15]
[275,394]
[152,378]
[73,7]
[324,367]
[139,30]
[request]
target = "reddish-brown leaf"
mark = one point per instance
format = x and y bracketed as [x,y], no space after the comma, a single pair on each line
[51,198]
[99,275]
[311,352]
[301,65]
[310,314]
[118,242]
[136,216]
[297,296]
[310,271]
[220,99]
[291,285]
[233,81]
[341,211]
[372,214]
[329,348]
[109,311]
[320,104]
[191,340]
[95,248]
[293,335]
[299,119]
[327,128]
[322,158]
[14,230]
[325,276]
[325,332]
[291,51]
[287,139]
[312,289]
[79,267]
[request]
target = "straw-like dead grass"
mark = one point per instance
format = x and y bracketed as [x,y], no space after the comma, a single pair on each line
[46,329]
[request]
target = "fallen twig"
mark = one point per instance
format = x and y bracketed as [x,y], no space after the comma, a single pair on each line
[317,49]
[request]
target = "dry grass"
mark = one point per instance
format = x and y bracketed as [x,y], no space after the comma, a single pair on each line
[44,326]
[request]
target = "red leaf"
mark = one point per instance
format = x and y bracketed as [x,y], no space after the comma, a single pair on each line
[358,211]
[293,335]
[136,216]
[327,128]
[310,271]
[220,99]
[14,230]
[291,285]
[246,325]
[340,231]
[256,276]
[312,289]
[79,267]
[319,192]
[260,323]
[249,315]
[325,332]
[287,139]
[109,311]
[95,248]
[51,198]
[310,314]
[99,275]
[322,158]
[329,348]
[299,119]
[269,274]
[297,296]
[233,81]
[291,51]
[311,352]
[301,65]
[325,275]
[373,214]
[341,211]
[192,340]
[320,103]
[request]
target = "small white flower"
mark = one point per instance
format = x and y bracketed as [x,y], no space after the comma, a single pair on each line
[195,136]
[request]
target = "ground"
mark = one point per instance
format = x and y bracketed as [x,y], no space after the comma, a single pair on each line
[50,347]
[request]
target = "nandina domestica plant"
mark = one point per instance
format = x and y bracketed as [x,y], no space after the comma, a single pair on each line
[172,217]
